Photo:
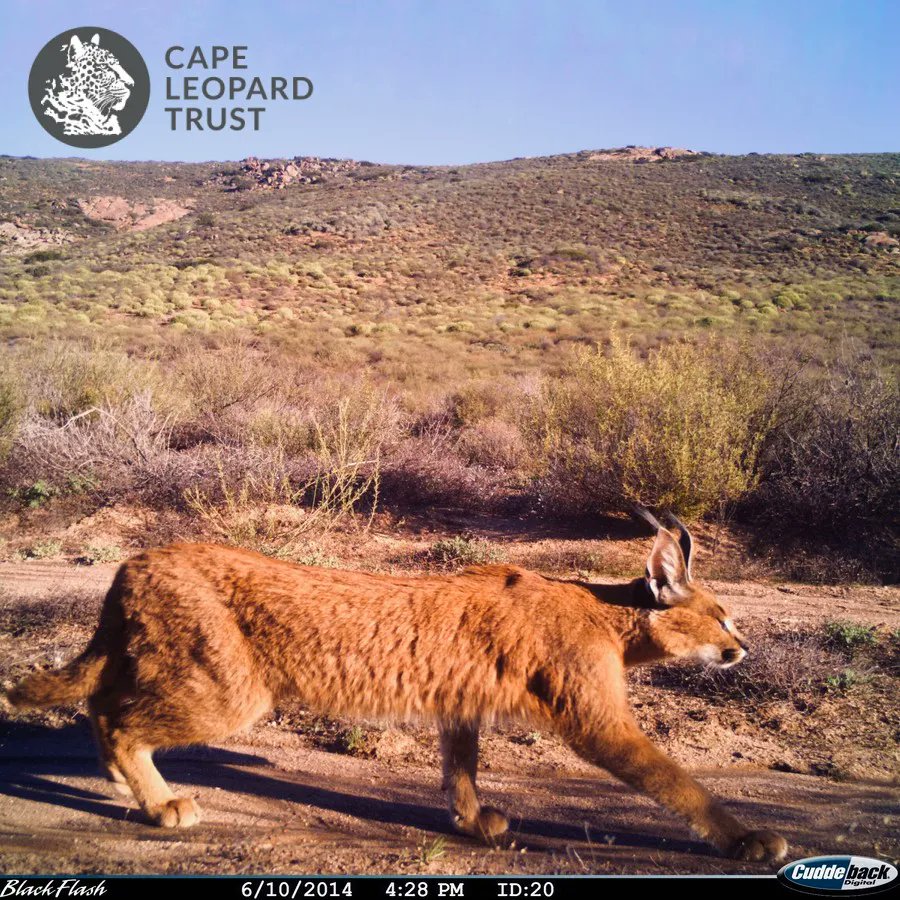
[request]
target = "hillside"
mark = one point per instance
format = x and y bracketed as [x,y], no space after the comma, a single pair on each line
[231,343]
[483,267]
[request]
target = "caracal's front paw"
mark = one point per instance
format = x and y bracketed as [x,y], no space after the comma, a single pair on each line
[492,824]
[760,846]
[182,812]
[488,825]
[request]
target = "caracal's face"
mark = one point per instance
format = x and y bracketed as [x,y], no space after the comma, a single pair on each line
[700,627]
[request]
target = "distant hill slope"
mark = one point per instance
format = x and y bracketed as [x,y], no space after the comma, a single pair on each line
[496,263]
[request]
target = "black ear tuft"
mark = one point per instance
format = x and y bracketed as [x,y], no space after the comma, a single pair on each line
[684,540]
[641,512]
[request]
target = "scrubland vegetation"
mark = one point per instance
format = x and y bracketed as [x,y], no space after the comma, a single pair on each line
[555,338]
[263,453]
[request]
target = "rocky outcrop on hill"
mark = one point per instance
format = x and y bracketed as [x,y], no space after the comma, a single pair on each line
[277,174]
[19,237]
[881,240]
[126,215]
[635,154]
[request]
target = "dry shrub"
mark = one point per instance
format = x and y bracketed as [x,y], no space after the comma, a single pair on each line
[274,510]
[582,557]
[463,550]
[811,558]
[61,380]
[225,424]
[218,389]
[495,443]
[427,468]
[10,412]
[125,448]
[487,399]
[679,429]
[348,410]
[88,414]
[830,477]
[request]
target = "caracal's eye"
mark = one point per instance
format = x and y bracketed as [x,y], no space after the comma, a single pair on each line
[726,625]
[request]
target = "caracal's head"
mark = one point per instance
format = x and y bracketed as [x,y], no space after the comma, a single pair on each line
[687,621]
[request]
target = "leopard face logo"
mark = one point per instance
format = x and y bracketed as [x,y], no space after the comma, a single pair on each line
[89,87]
[85,101]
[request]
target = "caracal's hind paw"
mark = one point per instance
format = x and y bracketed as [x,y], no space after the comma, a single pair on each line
[760,846]
[489,825]
[182,812]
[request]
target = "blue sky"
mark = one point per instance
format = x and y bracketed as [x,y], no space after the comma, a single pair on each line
[458,82]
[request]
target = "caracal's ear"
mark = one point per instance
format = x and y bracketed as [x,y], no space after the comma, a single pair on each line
[666,568]
[685,541]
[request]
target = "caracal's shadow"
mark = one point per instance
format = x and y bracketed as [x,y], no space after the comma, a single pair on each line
[33,757]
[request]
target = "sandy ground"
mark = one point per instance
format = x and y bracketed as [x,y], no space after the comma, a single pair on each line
[289,809]
[274,800]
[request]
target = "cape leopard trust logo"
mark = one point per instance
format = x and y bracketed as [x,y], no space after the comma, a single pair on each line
[89,87]
[836,874]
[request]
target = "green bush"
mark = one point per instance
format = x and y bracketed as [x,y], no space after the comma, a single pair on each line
[680,429]
[850,636]
[788,299]
[845,681]
[10,410]
[35,495]
[44,550]
[96,553]
[463,550]
[43,256]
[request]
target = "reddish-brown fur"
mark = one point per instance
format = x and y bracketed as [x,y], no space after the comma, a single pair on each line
[197,641]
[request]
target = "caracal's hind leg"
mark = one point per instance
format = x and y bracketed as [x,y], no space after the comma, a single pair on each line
[100,726]
[459,748]
[134,759]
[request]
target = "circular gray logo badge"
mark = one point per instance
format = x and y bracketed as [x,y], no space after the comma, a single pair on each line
[89,87]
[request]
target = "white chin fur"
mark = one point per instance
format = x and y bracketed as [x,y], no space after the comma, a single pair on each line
[709,654]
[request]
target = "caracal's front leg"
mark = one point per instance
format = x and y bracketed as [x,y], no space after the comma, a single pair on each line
[459,748]
[618,745]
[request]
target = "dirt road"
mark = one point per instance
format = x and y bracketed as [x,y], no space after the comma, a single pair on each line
[288,809]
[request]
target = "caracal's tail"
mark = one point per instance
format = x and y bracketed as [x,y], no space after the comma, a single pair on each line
[82,676]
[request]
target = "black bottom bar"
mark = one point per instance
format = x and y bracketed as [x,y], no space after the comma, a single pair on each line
[363,887]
